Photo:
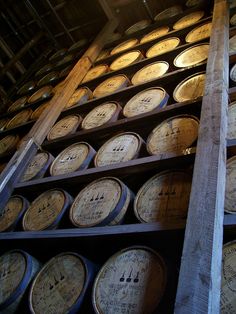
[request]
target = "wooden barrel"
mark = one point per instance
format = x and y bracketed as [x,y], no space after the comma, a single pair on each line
[188,20]
[233,73]
[230,194]
[111,85]
[228,281]
[102,202]
[18,104]
[137,27]
[145,101]
[231,131]
[17,269]
[162,47]
[75,157]
[102,114]
[43,93]
[96,72]
[46,68]
[20,118]
[103,54]
[38,166]
[126,60]
[119,148]
[190,88]
[132,281]
[150,72]
[175,134]
[79,97]
[232,44]
[191,56]
[64,72]
[65,126]
[58,55]
[26,88]
[66,59]
[58,87]
[8,143]
[37,113]
[47,210]
[156,33]
[62,284]
[12,213]
[78,45]
[193,3]
[48,78]
[164,197]
[124,46]
[3,123]
[168,13]
[233,20]
[113,37]
[200,32]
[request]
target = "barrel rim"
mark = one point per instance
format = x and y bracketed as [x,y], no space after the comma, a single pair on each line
[47,94]
[200,12]
[22,100]
[113,51]
[146,66]
[19,114]
[193,30]
[79,120]
[189,49]
[24,207]
[67,202]
[115,211]
[102,65]
[142,40]
[89,274]
[138,137]
[162,104]
[50,77]
[123,84]
[160,42]
[161,262]
[27,87]
[162,173]
[184,81]
[144,24]
[84,164]
[178,8]
[138,57]
[113,118]
[25,279]
[180,116]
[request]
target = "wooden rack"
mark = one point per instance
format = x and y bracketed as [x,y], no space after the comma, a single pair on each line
[200,235]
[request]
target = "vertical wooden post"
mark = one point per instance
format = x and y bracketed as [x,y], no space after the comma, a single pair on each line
[39,131]
[200,273]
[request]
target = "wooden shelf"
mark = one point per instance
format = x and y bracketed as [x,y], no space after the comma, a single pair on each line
[128,124]
[181,34]
[168,81]
[121,230]
[120,170]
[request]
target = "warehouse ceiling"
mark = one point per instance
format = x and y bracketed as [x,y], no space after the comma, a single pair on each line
[56,24]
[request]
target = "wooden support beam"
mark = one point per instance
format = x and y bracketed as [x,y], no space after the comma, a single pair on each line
[200,272]
[38,133]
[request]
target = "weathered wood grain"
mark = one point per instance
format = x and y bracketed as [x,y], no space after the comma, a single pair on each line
[200,273]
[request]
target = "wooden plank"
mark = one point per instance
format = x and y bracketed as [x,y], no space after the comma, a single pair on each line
[121,230]
[135,124]
[200,272]
[36,136]
[119,170]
